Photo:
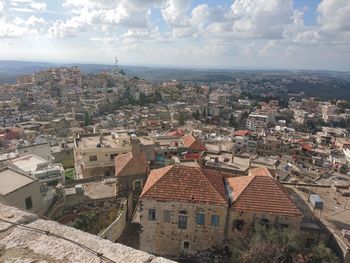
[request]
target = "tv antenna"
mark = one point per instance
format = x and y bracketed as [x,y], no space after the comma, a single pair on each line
[116,61]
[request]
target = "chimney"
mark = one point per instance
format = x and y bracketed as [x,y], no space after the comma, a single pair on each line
[101,138]
[135,145]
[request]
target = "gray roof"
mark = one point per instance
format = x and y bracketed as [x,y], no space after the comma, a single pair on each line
[11,180]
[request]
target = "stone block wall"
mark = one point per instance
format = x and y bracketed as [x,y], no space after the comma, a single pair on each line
[166,238]
[18,244]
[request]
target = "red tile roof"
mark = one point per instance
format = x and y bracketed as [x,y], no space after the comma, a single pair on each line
[178,132]
[241,133]
[259,192]
[189,156]
[193,143]
[185,184]
[307,147]
[131,164]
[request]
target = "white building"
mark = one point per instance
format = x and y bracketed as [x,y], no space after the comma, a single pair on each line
[257,122]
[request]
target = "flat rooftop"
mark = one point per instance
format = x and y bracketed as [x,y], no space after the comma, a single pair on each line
[28,163]
[335,214]
[225,161]
[12,180]
[107,141]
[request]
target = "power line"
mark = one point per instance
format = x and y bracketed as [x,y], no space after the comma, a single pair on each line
[48,233]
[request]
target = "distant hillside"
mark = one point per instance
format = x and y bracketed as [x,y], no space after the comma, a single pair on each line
[335,85]
[10,69]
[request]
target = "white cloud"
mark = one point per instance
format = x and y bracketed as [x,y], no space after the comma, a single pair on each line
[8,30]
[105,40]
[2,8]
[38,6]
[261,18]
[32,22]
[175,12]
[28,6]
[334,15]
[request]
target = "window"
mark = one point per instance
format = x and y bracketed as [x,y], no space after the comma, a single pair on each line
[182,220]
[309,242]
[200,219]
[283,226]
[152,214]
[265,222]
[215,220]
[238,224]
[186,245]
[29,203]
[93,158]
[167,216]
[112,156]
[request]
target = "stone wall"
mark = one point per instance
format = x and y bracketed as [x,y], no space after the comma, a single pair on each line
[116,228]
[18,244]
[250,218]
[165,238]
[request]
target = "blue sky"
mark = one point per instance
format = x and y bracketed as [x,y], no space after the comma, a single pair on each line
[288,34]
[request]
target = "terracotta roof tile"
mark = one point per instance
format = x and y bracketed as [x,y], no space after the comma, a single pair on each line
[259,192]
[130,164]
[184,184]
[241,133]
[193,143]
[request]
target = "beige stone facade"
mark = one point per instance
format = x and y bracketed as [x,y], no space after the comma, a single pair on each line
[164,235]
[244,222]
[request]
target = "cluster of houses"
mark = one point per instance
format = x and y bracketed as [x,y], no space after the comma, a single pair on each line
[198,164]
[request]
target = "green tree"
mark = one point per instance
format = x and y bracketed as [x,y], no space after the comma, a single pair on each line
[196,115]
[157,96]
[275,244]
[322,254]
[265,245]
[182,118]
[87,121]
[232,122]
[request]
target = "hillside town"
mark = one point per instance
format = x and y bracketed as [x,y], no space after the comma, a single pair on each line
[177,169]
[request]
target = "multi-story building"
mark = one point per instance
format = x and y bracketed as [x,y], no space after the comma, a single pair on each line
[257,122]
[272,146]
[94,154]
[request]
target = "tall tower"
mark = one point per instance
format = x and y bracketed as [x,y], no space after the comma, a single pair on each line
[116,64]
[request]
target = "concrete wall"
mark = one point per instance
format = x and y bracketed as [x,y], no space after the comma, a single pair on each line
[102,154]
[163,238]
[115,230]
[41,150]
[17,198]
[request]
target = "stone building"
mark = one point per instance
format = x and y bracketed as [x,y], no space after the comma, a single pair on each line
[186,210]
[182,210]
[259,198]
[131,171]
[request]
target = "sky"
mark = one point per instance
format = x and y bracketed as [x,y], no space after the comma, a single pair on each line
[255,34]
